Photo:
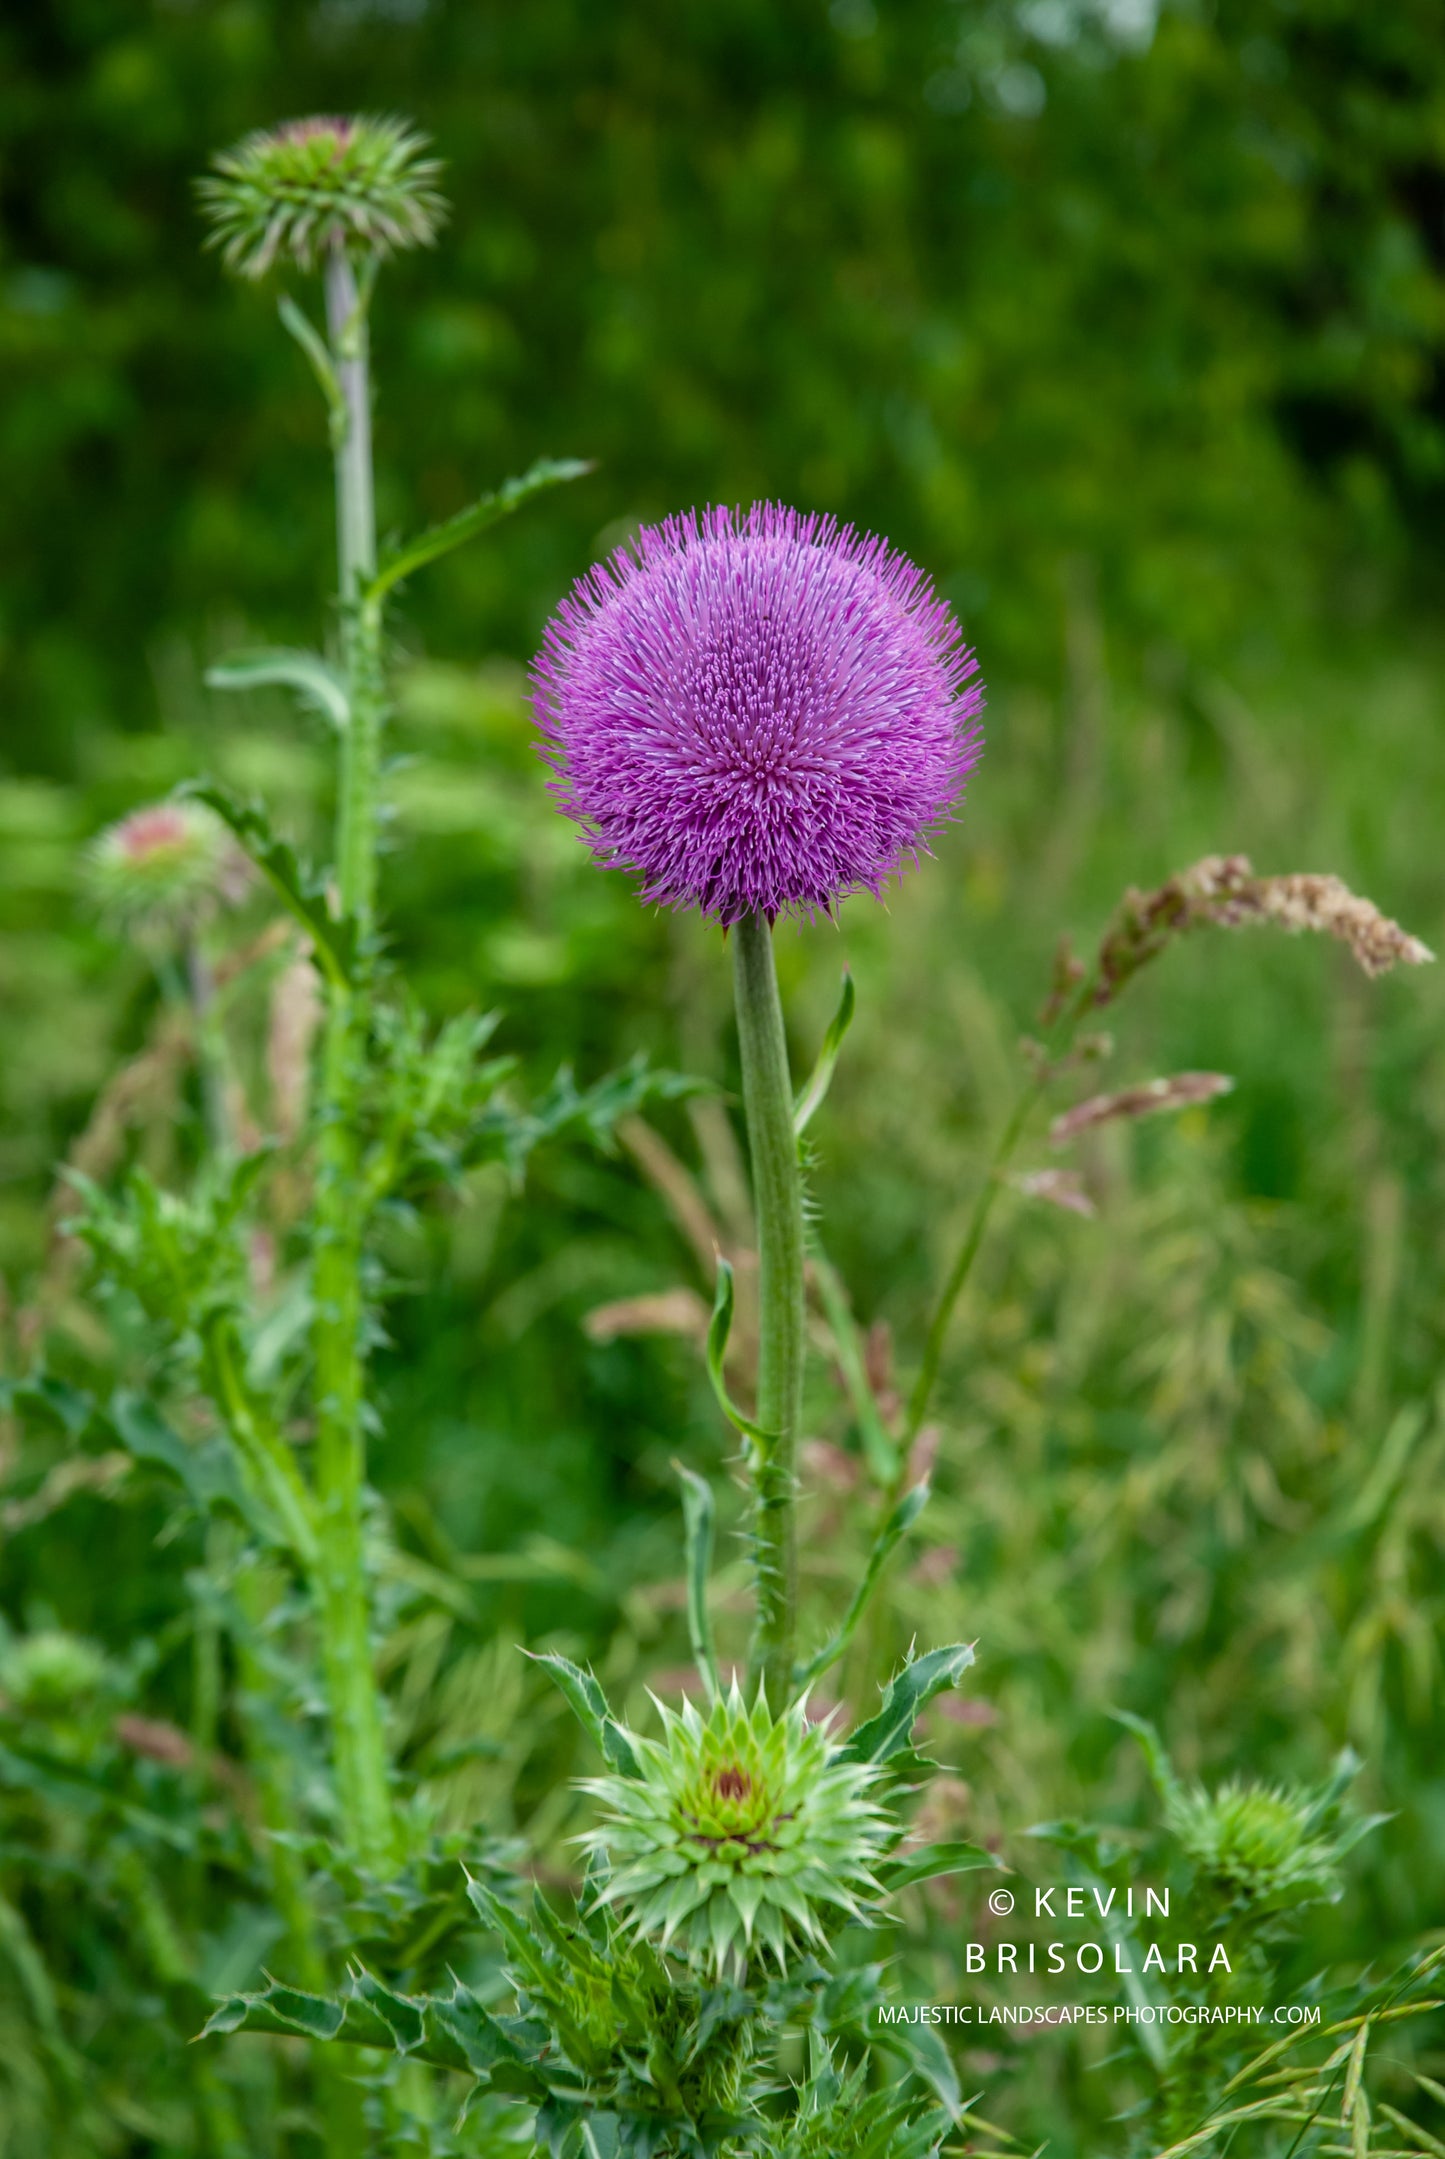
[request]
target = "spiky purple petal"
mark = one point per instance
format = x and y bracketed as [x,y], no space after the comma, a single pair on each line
[759,712]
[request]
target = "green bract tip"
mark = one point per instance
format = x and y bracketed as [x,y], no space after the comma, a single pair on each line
[310,185]
[738,1829]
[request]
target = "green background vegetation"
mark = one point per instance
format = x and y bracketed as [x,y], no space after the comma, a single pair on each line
[1133,334]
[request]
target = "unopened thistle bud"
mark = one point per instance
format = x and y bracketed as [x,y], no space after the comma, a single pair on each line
[1267,1847]
[296,191]
[739,1831]
[161,870]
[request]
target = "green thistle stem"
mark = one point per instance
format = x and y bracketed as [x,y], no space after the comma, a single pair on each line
[778,1198]
[357,1735]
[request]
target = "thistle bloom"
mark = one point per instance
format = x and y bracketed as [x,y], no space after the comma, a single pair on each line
[738,1827]
[300,189]
[759,712]
[162,868]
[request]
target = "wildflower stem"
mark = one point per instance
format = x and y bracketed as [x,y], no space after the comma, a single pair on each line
[357,1736]
[1056,1044]
[778,1198]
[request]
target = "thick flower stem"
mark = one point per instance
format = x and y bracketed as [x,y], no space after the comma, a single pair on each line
[778,1198]
[357,1735]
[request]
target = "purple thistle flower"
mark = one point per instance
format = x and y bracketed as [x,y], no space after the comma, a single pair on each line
[758,712]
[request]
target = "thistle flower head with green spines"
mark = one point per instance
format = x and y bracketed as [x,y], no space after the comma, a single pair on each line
[160,871]
[740,1830]
[296,191]
[1263,1845]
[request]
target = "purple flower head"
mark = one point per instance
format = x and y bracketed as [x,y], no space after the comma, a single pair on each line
[759,712]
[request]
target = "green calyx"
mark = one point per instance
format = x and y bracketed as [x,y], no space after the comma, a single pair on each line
[739,1832]
[296,191]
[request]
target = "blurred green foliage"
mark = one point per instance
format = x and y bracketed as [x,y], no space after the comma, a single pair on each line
[1131,330]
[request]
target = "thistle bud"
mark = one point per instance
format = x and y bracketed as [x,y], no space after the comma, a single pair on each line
[296,191]
[161,870]
[739,1831]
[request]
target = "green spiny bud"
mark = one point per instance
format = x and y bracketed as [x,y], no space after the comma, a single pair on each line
[739,1828]
[160,870]
[298,190]
[1265,1846]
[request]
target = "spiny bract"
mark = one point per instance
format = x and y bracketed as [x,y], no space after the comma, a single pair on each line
[739,1830]
[761,712]
[309,185]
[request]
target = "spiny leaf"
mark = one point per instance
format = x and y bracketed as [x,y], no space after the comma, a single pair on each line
[886,1736]
[487,510]
[811,1096]
[206,1472]
[590,1706]
[719,1328]
[299,888]
[315,681]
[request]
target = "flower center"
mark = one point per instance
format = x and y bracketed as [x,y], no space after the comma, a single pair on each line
[732,1782]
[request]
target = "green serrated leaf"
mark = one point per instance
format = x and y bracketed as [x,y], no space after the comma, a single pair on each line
[207,1472]
[810,1097]
[590,1706]
[315,681]
[888,1734]
[277,2009]
[300,889]
[488,510]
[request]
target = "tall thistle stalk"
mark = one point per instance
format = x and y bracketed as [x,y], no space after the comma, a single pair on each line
[778,1199]
[358,1738]
[343,194]
[760,713]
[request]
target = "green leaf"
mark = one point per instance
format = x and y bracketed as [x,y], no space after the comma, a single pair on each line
[719,1328]
[821,1078]
[591,1708]
[300,889]
[488,510]
[278,2009]
[314,345]
[454,2031]
[207,1472]
[315,681]
[567,1112]
[933,1862]
[897,1526]
[53,1401]
[888,1735]
[697,1516]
